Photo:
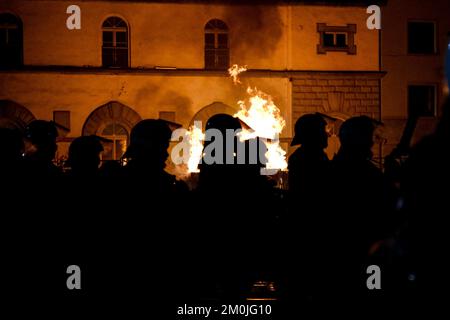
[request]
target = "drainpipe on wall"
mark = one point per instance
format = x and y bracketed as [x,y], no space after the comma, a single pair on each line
[380,63]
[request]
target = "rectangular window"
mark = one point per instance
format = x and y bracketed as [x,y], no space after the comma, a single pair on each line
[341,40]
[10,41]
[108,39]
[336,38]
[421,37]
[328,39]
[121,39]
[422,100]
[115,43]
[209,40]
[217,51]
[222,41]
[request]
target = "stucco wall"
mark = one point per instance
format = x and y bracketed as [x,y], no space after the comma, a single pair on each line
[266,37]
[42,93]
[403,68]
[305,39]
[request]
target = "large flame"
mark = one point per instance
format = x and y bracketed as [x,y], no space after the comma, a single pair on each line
[265,121]
[234,72]
[195,136]
[276,156]
[262,116]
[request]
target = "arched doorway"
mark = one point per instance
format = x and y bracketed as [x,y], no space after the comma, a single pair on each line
[14,116]
[112,121]
[207,112]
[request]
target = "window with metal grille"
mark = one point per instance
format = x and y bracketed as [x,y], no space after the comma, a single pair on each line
[217,51]
[10,41]
[115,43]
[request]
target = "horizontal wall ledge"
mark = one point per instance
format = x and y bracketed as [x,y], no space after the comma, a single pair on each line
[338,3]
[170,71]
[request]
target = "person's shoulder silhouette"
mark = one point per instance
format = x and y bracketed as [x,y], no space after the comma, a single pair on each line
[147,154]
[13,147]
[40,138]
[84,156]
[308,165]
[363,189]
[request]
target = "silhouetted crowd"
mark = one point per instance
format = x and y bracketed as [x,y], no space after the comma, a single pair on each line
[142,237]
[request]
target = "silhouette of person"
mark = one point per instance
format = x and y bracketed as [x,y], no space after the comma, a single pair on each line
[309,170]
[11,166]
[41,148]
[424,185]
[147,154]
[12,150]
[220,177]
[84,156]
[309,165]
[238,207]
[362,206]
[84,201]
[136,217]
[36,222]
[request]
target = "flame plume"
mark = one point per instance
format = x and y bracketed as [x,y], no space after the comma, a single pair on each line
[234,72]
[195,136]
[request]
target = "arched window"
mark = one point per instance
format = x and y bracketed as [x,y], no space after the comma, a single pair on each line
[118,136]
[115,43]
[112,121]
[10,41]
[14,116]
[217,52]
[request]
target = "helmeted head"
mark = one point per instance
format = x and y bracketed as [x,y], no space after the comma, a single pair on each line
[226,127]
[222,122]
[310,131]
[229,157]
[42,135]
[149,141]
[84,154]
[356,136]
[41,132]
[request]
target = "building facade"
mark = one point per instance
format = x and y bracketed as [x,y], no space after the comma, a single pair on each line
[132,60]
[415,37]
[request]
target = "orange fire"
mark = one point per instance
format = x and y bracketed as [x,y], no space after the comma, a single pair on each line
[195,136]
[234,72]
[264,118]
[265,121]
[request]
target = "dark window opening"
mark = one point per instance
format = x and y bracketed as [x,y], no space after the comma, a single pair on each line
[422,100]
[336,38]
[10,41]
[217,52]
[421,37]
[115,43]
